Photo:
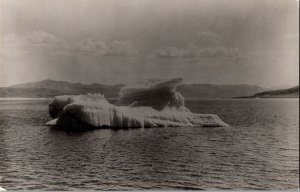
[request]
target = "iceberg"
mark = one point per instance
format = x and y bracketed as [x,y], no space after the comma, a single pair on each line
[152,94]
[151,104]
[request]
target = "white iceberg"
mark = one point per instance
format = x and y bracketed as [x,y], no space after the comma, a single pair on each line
[157,95]
[153,105]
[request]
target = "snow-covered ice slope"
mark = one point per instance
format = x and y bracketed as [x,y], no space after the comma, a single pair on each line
[157,95]
[156,105]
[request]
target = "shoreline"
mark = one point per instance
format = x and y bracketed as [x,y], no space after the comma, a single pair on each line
[23,98]
[267,97]
[187,99]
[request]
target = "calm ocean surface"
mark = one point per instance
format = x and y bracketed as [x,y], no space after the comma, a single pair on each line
[260,150]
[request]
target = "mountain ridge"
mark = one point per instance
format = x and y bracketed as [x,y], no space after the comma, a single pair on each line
[50,88]
[292,92]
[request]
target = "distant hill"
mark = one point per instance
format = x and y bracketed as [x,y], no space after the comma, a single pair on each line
[50,88]
[28,92]
[205,91]
[63,87]
[279,93]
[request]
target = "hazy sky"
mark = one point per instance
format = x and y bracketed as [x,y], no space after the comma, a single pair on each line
[126,41]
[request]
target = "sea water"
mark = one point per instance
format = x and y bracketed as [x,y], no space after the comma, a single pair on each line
[260,150]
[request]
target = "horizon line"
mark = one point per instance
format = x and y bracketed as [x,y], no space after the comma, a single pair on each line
[73,82]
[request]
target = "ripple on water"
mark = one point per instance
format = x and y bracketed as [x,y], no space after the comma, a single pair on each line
[258,151]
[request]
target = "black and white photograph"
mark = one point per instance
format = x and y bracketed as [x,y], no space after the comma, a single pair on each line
[131,95]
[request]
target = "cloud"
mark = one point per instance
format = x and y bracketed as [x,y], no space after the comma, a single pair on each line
[173,52]
[41,38]
[37,42]
[118,48]
[88,46]
[207,44]
[207,39]
[99,48]
[217,51]
[43,43]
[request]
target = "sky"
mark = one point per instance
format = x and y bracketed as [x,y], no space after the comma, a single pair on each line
[127,41]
